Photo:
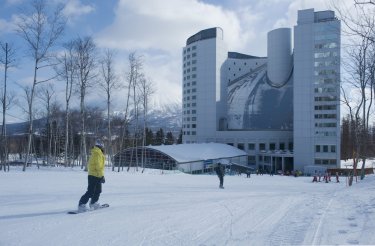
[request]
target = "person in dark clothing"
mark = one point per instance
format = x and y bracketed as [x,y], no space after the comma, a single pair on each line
[248,173]
[220,171]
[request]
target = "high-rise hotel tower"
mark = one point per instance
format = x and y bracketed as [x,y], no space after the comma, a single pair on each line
[316,93]
[283,109]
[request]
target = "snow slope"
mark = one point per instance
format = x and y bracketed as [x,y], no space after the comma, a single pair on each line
[181,209]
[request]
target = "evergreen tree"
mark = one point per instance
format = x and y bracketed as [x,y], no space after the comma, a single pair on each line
[159,138]
[169,138]
[149,137]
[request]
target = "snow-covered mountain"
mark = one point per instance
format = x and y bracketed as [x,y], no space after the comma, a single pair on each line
[167,117]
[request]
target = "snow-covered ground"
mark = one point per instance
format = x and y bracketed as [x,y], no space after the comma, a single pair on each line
[181,209]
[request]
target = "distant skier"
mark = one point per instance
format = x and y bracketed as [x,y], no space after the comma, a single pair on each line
[315,179]
[220,171]
[337,177]
[248,174]
[95,178]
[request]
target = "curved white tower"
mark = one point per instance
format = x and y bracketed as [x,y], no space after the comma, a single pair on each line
[280,58]
[203,58]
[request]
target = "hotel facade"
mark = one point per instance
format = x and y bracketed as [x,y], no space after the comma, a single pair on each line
[283,109]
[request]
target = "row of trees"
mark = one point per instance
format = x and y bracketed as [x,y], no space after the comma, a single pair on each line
[49,138]
[348,135]
[80,68]
[358,84]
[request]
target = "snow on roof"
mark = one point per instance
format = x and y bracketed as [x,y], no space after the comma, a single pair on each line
[199,151]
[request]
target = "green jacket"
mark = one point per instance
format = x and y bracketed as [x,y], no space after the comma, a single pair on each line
[96,163]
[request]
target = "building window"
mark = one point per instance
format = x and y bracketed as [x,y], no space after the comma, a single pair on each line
[333,148]
[317,148]
[241,146]
[325,148]
[194,47]
[262,146]
[251,160]
[194,126]
[282,146]
[251,146]
[272,146]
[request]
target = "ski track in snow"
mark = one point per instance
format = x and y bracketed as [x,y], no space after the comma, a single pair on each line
[179,209]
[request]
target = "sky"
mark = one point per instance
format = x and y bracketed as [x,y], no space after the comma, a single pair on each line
[157,31]
[180,209]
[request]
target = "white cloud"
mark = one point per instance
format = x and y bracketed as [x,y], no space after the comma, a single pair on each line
[74,9]
[162,27]
[8,26]
[166,24]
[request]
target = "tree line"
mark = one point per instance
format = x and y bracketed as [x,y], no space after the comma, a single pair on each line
[358,84]
[80,66]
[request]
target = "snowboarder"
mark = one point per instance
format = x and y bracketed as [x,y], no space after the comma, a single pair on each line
[95,178]
[220,171]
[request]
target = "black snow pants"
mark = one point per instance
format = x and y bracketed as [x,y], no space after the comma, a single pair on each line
[94,189]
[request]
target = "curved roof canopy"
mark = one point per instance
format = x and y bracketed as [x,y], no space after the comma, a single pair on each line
[200,151]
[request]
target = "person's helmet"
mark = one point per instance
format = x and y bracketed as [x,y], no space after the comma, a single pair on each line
[99,143]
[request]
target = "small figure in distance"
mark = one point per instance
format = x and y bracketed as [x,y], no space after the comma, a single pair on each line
[337,177]
[220,171]
[248,173]
[315,179]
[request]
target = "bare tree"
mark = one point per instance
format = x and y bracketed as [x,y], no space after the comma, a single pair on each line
[130,80]
[365,2]
[40,30]
[84,49]
[135,75]
[46,93]
[7,60]
[146,89]
[109,84]
[360,28]
[67,71]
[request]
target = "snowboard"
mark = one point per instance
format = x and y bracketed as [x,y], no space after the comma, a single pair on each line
[105,205]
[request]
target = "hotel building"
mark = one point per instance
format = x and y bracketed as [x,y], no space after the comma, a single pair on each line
[283,109]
